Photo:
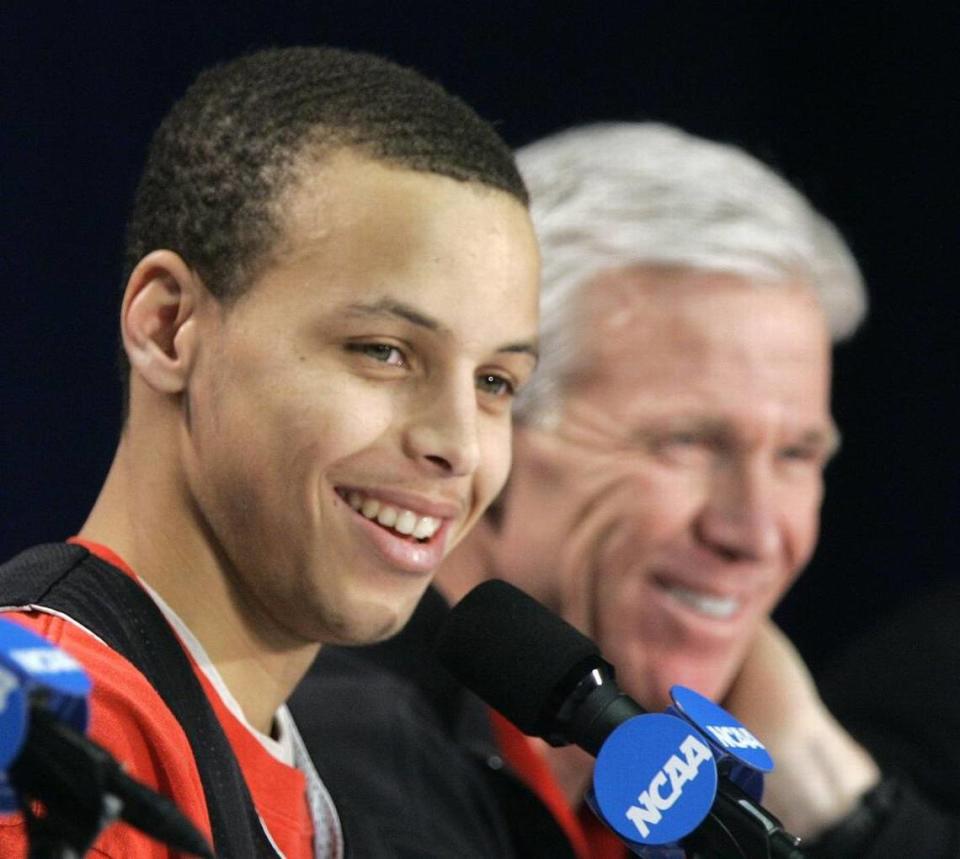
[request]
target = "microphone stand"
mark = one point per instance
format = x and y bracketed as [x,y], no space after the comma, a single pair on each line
[81,789]
[742,830]
[68,776]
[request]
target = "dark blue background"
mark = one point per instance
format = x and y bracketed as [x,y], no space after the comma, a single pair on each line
[854,102]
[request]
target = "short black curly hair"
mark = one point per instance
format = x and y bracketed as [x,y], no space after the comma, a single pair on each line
[228,150]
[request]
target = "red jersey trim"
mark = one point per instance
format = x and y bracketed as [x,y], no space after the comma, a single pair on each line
[588,836]
[278,790]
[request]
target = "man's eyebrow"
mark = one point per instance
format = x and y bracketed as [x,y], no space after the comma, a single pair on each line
[826,438]
[399,310]
[389,307]
[530,347]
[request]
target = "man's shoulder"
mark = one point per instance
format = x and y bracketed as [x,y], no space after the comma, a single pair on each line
[131,721]
[25,577]
[894,689]
[910,650]
[404,755]
[398,684]
[126,713]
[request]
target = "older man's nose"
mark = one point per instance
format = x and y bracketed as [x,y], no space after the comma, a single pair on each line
[739,519]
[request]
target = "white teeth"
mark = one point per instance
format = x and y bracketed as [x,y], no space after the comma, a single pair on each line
[716,607]
[405,521]
[387,516]
[426,527]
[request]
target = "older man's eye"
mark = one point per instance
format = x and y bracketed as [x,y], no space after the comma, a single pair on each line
[683,447]
[382,352]
[681,441]
[802,453]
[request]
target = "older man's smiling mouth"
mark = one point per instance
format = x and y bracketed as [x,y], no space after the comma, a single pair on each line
[708,605]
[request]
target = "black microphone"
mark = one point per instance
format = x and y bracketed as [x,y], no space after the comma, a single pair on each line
[552,682]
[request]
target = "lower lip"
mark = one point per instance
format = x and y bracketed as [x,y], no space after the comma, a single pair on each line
[408,555]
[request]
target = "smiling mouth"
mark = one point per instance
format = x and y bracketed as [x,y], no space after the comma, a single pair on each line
[396,520]
[708,605]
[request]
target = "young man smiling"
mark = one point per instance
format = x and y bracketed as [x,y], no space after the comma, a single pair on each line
[320,381]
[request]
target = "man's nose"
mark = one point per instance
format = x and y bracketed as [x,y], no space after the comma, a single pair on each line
[740,518]
[443,433]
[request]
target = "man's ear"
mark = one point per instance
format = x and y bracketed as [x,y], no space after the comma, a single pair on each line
[158,320]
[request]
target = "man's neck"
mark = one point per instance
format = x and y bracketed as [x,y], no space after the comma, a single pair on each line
[141,518]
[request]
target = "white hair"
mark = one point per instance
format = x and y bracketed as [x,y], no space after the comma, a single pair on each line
[623,194]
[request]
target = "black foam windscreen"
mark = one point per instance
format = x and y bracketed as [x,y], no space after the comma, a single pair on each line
[512,651]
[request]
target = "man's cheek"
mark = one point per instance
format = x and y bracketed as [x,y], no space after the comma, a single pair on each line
[496,460]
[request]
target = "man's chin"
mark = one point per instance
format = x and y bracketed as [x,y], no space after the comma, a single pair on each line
[651,688]
[712,680]
[361,628]
[369,621]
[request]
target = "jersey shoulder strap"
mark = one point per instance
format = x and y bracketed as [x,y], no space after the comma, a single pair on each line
[69,579]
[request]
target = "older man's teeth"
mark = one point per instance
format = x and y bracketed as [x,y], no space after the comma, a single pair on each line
[404,521]
[716,607]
